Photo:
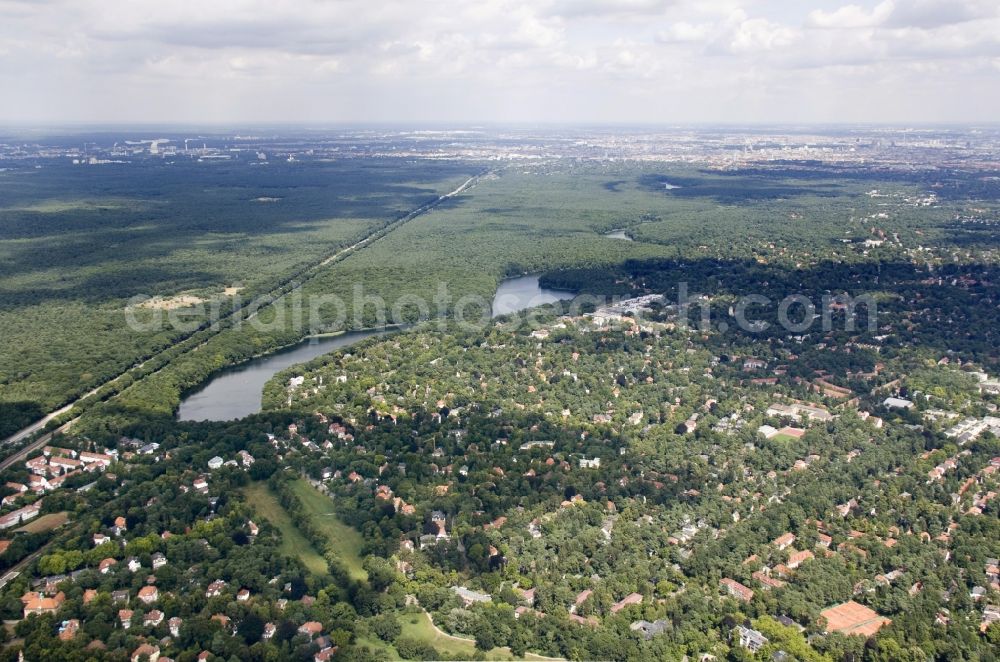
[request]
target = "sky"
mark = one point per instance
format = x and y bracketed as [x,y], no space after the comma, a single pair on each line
[499,61]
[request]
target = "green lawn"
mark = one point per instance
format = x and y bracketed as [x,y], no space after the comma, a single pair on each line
[293,543]
[419,626]
[344,540]
[45,523]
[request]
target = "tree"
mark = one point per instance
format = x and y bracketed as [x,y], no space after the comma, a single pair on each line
[251,628]
[386,627]
[485,633]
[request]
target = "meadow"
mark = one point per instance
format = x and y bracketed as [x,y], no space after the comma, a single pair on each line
[293,543]
[342,539]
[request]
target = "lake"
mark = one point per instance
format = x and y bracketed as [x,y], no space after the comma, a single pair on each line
[236,392]
[515,294]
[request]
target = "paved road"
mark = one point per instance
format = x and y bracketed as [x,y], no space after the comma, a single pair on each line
[27,450]
[38,425]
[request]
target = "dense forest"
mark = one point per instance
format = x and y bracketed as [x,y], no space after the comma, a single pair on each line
[545,217]
[586,482]
[76,244]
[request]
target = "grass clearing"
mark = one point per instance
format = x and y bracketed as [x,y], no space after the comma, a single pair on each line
[420,627]
[293,543]
[344,540]
[45,523]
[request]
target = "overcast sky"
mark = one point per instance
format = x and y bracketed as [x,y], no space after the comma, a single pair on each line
[659,61]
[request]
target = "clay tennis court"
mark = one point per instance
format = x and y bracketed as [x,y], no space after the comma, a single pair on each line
[853,618]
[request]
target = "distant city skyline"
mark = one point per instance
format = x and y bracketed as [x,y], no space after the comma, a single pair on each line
[500,61]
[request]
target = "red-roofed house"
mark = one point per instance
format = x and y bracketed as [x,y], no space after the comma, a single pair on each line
[149,594]
[784,540]
[146,652]
[798,558]
[125,616]
[34,603]
[630,599]
[311,628]
[736,589]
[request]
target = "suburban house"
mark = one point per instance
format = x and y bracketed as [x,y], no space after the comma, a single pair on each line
[470,597]
[36,603]
[784,541]
[649,630]
[736,589]
[146,652]
[149,594]
[750,639]
[798,558]
[125,616]
[630,599]
[174,624]
[215,588]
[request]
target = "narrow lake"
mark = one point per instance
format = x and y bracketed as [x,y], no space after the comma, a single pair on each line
[236,392]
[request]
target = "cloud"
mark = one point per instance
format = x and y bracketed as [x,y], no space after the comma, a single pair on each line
[929,14]
[486,59]
[851,16]
[603,8]
[745,36]
[683,32]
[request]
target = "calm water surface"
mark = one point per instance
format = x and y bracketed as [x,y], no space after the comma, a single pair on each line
[236,392]
[516,294]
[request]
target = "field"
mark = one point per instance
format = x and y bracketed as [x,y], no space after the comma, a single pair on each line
[420,627]
[344,540]
[293,543]
[44,523]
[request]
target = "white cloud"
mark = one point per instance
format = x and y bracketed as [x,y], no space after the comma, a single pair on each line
[684,32]
[490,59]
[851,16]
[757,34]
[930,14]
[606,8]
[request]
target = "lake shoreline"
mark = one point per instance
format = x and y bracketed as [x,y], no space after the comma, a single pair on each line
[236,391]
